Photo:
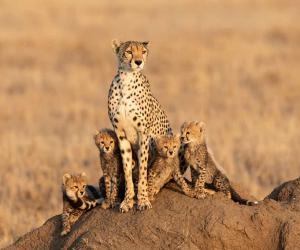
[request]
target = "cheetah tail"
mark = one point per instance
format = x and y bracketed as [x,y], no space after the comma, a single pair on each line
[237,198]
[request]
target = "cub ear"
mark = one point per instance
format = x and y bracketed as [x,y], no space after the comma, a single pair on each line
[146,43]
[65,178]
[115,43]
[156,139]
[96,134]
[202,126]
[184,125]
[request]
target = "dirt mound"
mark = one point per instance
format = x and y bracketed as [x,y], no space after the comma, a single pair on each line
[288,192]
[179,222]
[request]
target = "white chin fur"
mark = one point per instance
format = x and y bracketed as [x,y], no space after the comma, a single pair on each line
[71,195]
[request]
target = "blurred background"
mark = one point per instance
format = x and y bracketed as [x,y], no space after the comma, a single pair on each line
[233,64]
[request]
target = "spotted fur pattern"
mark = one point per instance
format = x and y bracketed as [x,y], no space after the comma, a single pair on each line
[166,166]
[112,168]
[136,117]
[204,169]
[77,199]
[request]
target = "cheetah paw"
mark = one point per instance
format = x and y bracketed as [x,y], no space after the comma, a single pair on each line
[144,205]
[64,232]
[210,192]
[126,206]
[200,196]
[105,204]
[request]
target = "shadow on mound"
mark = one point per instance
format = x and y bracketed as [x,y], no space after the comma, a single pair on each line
[179,222]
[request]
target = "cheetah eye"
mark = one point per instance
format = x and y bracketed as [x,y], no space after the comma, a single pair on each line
[102,142]
[187,133]
[111,142]
[129,52]
[144,51]
[84,186]
[75,187]
[175,147]
[166,147]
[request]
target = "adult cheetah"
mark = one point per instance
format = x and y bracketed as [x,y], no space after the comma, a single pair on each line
[136,117]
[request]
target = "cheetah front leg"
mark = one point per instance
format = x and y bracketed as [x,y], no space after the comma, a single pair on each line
[114,191]
[180,180]
[107,181]
[196,182]
[69,217]
[199,185]
[143,200]
[151,187]
[66,225]
[126,153]
[88,203]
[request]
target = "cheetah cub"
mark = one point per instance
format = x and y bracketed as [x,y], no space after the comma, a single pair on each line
[204,169]
[77,198]
[111,164]
[113,179]
[166,166]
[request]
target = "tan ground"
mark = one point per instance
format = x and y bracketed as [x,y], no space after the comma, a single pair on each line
[233,64]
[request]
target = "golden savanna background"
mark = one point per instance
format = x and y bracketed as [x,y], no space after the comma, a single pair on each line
[233,64]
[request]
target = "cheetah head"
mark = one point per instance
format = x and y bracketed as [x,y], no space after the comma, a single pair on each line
[193,132]
[167,146]
[74,186]
[131,55]
[106,141]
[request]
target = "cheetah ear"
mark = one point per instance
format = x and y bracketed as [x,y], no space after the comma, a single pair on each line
[202,126]
[66,177]
[146,43]
[156,139]
[183,125]
[96,134]
[115,43]
[83,175]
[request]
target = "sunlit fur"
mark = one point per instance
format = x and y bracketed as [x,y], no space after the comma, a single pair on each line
[167,146]
[106,141]
[111,165]
[166,166]
[131,55]
[193,132]
[204,169]
[77,199]
[74,186]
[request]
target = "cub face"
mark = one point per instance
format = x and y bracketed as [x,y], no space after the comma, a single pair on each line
[106,141]
[131,55]
[193,132]
[74,186]
[168,146]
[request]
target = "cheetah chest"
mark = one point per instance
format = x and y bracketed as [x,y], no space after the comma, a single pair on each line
[128,114]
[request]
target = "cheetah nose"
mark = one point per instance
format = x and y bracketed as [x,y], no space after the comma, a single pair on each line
[107,148]
[81,192]
[171,152]
[138,62]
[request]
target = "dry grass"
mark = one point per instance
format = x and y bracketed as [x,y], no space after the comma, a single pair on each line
[234,64]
